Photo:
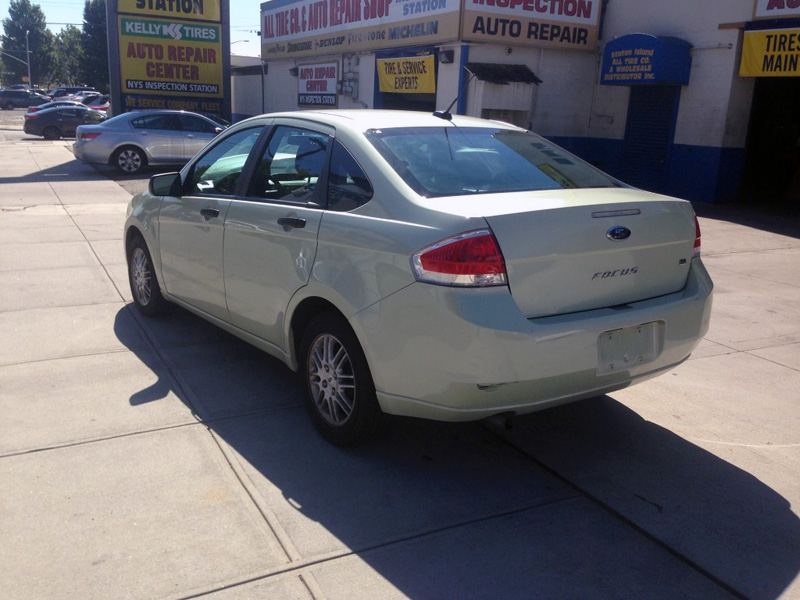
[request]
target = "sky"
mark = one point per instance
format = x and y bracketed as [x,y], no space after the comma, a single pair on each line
[244,20]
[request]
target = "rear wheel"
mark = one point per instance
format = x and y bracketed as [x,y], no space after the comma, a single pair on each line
[129,159]
[9,106]
[144,285]
[51,133]
[340,395]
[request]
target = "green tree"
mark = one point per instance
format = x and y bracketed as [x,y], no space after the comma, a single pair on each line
[69,55]
[26,22]
[94,40]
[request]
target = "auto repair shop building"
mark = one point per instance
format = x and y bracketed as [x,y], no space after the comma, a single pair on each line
[693,99]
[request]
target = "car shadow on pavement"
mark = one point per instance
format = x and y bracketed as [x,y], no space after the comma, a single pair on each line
[62,172]
[585,500]
[782,218]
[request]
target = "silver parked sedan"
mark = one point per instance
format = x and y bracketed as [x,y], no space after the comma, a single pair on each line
[132,140]
[422,264]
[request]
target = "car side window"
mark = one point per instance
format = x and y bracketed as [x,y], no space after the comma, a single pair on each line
[291,165]
[166,122]
[191,123]
[218,170]
[348,185]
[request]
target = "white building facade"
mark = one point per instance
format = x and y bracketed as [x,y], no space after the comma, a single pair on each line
[692,99]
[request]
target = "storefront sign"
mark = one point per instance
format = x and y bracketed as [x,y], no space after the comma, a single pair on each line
[204,10]
[774,9]
[170,55]
[170,58]
[315,27]
[770,52]
[545,23]
[317,84]
[642,59]
[408,75]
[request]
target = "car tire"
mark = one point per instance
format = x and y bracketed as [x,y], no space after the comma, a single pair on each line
[9,106]
[339,392]
[129,159]
[51,133]
[144,285]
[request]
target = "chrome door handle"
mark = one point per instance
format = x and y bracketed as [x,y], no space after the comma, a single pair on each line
[292,222]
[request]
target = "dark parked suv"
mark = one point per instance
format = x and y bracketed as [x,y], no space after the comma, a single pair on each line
[11,99]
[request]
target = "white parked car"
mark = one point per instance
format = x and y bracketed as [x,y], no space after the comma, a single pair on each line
[426,265]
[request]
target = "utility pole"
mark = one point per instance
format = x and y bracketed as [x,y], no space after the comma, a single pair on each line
[28,59]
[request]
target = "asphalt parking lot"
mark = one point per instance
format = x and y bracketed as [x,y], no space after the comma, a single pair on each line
[164,458]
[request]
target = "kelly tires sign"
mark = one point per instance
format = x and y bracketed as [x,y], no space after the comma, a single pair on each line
[169,54]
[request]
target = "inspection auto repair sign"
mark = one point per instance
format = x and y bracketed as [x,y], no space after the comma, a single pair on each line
[170,54]
[545,23]
[315,27]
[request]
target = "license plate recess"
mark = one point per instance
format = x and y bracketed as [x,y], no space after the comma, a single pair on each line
[623,349]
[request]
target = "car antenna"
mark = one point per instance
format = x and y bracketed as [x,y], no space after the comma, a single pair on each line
[446,114]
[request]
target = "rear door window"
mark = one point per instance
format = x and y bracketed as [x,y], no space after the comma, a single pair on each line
[348,185]
[291,166]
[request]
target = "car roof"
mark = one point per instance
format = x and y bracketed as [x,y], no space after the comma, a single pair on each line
[67,107]
[361,120]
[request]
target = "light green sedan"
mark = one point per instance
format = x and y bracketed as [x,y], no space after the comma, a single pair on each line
[422,264]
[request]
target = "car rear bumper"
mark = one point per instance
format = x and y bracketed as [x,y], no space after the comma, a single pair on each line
[464,354]
[83,151]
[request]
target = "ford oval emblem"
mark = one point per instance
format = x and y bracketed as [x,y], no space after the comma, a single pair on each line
[618,233]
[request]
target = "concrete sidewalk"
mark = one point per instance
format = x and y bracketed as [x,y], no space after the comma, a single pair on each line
[164,458]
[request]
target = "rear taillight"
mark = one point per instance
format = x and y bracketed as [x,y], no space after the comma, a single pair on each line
[88,136]
[31,117]
[471,259]
[696,250]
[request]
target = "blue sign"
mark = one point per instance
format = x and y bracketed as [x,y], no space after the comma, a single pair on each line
[644,59]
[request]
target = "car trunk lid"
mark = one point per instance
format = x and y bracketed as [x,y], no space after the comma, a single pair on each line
[591,248]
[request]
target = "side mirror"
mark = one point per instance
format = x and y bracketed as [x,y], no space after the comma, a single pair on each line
[218,129]
[166,184]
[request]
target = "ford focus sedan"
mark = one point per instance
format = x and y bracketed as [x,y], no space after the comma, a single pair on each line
[425,265]
[133,140]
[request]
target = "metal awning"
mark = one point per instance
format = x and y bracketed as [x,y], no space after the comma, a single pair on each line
[503,74]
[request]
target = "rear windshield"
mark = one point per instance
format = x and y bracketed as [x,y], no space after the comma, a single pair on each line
[451,161]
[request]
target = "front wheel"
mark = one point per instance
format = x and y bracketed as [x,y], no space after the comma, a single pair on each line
[340,395]
[144,285]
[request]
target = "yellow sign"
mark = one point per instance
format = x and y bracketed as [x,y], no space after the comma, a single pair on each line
[771,53]
[203,10]
[170,58]
[408,75]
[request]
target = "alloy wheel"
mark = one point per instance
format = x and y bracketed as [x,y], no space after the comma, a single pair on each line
[331,379]
[141,277]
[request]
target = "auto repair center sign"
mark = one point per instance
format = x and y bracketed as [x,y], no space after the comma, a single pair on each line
[170,54]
